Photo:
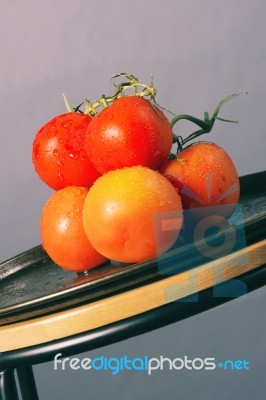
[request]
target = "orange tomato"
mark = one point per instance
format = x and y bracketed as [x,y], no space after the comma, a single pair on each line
[205,176]
[62,232]
[119,213]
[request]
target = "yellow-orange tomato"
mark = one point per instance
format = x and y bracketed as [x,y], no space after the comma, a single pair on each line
[205,176]
[62,231]
[119,214]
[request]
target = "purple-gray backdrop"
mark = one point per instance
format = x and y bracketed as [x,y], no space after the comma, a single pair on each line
[199,51]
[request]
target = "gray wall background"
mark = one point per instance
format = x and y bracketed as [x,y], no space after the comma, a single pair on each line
[199,51]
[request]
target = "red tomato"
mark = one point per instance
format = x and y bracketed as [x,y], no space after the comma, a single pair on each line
[131,131]
[119,210]
[62,232]
[58,152]
[205,176]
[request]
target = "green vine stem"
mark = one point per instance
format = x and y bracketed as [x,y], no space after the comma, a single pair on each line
[132,87]
[205,124]
[139,89]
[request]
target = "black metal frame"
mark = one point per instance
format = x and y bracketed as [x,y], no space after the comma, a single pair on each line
[8,389]
[27,383]
[22,360]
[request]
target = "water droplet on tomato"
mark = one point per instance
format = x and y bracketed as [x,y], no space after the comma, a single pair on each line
[74,155]
[67,123]
[70,214]
[56,153]
[77,210]
[60,163]
[53,131]
[60,141]
[61,177]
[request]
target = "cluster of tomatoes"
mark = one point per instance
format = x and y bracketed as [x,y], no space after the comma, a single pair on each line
[112,172]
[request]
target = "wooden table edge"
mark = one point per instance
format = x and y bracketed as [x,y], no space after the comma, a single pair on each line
[127,304]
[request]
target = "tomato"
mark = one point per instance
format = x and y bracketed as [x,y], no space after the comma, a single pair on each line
[58,152]
[62,232]
[131,131]
[119,211]
[205,176]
